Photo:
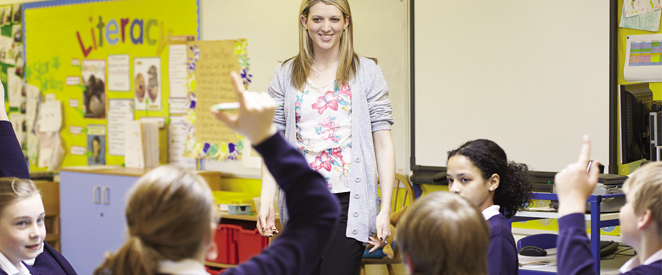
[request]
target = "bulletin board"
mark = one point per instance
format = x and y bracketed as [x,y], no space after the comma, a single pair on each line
[102,47]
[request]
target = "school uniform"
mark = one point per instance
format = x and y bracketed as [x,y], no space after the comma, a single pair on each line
[12,164]
[314,214]
[7,268]
[574,253]
[502,252]
[183,267]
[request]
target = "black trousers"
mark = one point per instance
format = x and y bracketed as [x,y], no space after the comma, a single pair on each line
[343,257]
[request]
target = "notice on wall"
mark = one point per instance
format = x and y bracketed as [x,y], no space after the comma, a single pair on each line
[210,64]
[120,112]
[177,65]
[643,58]
[177,131]
[147,83]
[118,73]
[96,144]
[94,95]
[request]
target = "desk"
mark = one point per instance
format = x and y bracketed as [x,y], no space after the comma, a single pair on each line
[597,219]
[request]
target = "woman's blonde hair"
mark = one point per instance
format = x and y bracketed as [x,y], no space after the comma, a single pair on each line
[302,62]
[645,187]
[169,213]
[443,233]
[12,189]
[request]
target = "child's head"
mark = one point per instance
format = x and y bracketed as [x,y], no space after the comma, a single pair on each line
[480,172]
[170,216]
[442,233]
[643,191]
[22,229]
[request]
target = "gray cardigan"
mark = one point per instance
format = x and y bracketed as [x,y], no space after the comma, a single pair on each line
[369,99]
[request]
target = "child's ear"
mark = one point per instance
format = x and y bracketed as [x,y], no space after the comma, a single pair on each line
[646,219]
[494,181]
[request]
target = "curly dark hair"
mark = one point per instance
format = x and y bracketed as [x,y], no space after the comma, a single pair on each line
[515,187]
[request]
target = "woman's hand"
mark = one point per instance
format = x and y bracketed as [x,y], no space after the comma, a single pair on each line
[383,232]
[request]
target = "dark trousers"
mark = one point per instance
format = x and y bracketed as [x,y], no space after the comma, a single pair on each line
[343,257]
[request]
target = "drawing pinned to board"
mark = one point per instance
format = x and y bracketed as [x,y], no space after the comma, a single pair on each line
[118,73]
[147,83]
[94,95]
[208,82]
[639,7]
[647,22]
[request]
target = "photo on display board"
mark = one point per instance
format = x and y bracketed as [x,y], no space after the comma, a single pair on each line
[94,96]
[96,145]
[147,83]
[16,17]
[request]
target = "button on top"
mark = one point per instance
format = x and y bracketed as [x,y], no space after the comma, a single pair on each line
[355,231]
[357,179]
[356,213]
[356,196]
[357,159]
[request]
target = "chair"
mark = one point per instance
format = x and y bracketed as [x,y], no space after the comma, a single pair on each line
[401,198]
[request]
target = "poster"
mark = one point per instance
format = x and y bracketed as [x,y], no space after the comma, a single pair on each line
[639,7]
[147,83]
[96,145]
[118,73]
[94,95]
[120,112]
[210,64]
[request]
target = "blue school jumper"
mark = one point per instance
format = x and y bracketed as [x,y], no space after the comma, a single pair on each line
[502,253]
[574,253]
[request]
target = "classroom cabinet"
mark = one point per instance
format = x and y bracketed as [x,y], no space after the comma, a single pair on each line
[92,207]
[92,216]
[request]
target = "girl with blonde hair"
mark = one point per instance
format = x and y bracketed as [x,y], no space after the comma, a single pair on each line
[171,212]
[336,111]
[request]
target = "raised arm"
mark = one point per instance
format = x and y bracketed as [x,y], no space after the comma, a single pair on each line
[574,185]
[12,161]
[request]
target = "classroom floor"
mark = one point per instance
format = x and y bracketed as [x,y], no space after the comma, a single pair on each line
[381,269]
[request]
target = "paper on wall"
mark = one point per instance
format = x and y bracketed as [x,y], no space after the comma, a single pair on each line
[647,22]
[50,116]
[118,73]
[147,83]
[177,70]
[176,142]
[14,87]
[120,113]
[639,7]
[33,98]
[643,58]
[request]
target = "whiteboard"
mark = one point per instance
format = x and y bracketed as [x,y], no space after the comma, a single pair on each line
[533,76]
[380,31]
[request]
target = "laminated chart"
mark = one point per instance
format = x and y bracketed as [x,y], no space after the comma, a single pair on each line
[643,61]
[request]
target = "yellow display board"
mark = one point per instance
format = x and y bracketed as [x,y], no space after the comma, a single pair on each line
[90,53]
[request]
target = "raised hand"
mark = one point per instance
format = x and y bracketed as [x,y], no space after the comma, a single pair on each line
[256,111]
[574,184]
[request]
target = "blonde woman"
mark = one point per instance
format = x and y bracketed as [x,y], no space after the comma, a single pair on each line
[443,233]
[170,212]
[336,111]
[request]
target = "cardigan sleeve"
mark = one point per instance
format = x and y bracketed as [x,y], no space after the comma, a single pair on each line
[277,89]
[377,95]
[12,161]
[313,210]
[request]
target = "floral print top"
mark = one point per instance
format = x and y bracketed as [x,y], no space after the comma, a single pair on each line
[323,131]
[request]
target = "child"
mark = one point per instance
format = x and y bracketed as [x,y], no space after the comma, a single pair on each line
[12,164]
[479,171]
[21,225]
[170,210]
[443,233]
[640,217]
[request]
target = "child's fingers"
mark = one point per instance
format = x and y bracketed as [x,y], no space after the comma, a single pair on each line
[227,119]
[585,152]
[594,173]
[238,86]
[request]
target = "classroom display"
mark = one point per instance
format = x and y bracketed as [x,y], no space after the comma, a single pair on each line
[105,51]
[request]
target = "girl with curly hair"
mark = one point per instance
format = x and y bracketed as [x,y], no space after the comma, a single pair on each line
[480,172]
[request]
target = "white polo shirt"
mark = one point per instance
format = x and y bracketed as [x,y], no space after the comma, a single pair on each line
[10,268]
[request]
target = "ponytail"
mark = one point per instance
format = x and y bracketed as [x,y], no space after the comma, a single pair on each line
[514,190]
[133,258]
